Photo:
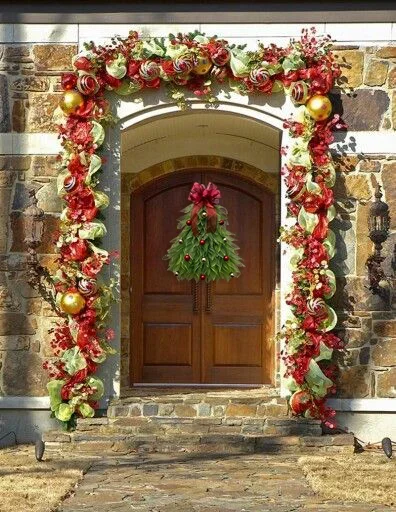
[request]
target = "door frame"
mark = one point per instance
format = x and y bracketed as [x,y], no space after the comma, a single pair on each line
[225,166]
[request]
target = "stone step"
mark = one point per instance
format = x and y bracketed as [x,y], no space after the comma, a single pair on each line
[194,395]
[166,425]
[97,444]
[199,405]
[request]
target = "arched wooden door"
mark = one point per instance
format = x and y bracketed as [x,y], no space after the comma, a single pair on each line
[226,337]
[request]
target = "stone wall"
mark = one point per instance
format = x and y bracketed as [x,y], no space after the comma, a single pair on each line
[29,90]
[366,100]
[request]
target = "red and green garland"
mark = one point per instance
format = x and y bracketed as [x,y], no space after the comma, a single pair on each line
[305,70]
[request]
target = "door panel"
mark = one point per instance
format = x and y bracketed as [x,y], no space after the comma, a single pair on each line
[165,331]
[226,339]
[229,345]
[167,344]
[239,324]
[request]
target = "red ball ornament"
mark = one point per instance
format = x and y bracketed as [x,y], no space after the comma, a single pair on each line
[187,257]
[188,222]
[226,258]
[202,277]
[202,242]
[300,402]
[221,222]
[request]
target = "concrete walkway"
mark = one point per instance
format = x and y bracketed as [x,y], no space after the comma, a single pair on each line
[201,483]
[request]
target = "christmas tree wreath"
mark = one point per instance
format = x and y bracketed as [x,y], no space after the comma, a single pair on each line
[204,249]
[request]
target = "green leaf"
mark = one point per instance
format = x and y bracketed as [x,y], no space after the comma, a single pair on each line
[312,187]
[153,47]
[176,50]
[94,166]
[86,410]
[107,348]
[96,383]
[295,256]
[117,67]
[331,320]
[74,360]
[64,412]
[317,380]
[101,200]
[92,230]
[325,353]
[98,133]
[127,87]
[299,154]
[331,213]
[291,384]
[60,183]
[200,38]
[307,221]
[54,388]
[293,62]
[331,176]
[239,62]
[329,243]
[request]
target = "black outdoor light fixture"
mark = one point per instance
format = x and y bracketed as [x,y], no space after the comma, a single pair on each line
[378,224]
[38,276]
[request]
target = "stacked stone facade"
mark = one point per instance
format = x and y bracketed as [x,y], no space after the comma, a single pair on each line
[29,93]
[366,98]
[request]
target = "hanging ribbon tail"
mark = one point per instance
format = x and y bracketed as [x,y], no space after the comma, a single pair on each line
[194,218]
[321,229]
[211,223]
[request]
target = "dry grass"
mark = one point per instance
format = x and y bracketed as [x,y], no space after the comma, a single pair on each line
[366,477]
[28,485]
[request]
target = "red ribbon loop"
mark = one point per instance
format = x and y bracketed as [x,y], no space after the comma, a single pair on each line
[206,197]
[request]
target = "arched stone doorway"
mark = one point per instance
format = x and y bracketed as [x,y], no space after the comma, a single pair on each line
[247,142]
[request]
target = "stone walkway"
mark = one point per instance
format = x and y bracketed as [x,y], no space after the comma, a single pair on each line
[201,483]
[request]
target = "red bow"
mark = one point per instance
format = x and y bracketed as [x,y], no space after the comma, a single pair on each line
[206,197]
[319,204]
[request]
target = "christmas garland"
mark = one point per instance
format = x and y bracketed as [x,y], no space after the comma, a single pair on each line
[305,70]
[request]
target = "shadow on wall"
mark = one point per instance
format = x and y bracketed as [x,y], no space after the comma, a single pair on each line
[27,424]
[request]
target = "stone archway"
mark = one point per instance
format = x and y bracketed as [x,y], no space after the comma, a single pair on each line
[132,182]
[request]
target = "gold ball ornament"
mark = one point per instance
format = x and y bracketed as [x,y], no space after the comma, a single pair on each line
[319,107]
[72,303]
[70,101]
[203,65]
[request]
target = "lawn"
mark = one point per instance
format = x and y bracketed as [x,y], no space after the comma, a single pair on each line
[28,485]
[366,477]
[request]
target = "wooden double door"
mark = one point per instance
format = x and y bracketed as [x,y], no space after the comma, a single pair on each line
[183,332]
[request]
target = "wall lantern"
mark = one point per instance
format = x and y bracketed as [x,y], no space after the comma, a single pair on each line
[378,224]
[38,276]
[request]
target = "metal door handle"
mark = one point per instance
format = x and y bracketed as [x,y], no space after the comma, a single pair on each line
[195,299]
[209,298]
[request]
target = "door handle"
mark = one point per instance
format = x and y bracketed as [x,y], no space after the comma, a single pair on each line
[195,299]
[209,298]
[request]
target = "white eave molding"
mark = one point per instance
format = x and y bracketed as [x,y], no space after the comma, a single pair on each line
[369,405]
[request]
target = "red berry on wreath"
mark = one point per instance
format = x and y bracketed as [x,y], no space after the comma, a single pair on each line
[202,277]
[221,222]
[226,258]
[188,222]
[202,242]
[187,257]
